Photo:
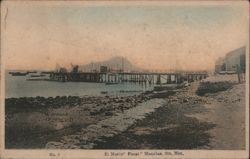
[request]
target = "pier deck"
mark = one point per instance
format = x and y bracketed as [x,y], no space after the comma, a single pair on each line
[119,77]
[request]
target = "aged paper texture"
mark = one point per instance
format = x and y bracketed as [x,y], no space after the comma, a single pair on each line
[124,79]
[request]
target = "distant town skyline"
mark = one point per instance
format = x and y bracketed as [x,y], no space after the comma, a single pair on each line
[38,35]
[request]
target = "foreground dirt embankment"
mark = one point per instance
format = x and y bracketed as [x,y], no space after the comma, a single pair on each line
[213,121]
[71,122]
[228,110]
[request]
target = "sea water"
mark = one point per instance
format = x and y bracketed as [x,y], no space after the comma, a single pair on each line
[19,86]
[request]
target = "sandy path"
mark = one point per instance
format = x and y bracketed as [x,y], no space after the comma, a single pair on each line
[215,121]
[227,111]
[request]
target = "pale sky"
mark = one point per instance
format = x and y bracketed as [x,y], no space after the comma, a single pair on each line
[38,35]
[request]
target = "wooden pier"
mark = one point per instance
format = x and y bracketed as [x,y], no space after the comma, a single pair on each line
[120,77]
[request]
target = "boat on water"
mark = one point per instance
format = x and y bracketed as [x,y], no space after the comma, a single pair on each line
[37,77]
[111,83]
[32,72]
[171,86]
[165,87]
[18,73]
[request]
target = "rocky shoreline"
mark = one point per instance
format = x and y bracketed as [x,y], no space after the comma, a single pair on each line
[104,103]
[88,137]
[38,115]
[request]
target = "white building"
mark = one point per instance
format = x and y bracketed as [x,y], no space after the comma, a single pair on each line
[231,61]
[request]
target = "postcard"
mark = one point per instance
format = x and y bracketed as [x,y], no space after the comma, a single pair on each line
[124,79]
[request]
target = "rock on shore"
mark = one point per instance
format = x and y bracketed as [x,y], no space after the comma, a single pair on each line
[106,128]
[42,119]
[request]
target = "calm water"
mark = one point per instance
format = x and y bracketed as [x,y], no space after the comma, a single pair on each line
[18,86]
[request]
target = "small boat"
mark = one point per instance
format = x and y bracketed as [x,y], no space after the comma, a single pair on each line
[165,87]
[18,73]
[111,83]
[11,73]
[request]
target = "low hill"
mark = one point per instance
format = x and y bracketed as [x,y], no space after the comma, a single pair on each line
[116,62]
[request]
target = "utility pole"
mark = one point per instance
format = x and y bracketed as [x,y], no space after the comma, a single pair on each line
[238,72]
[122,69]
[92,66]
